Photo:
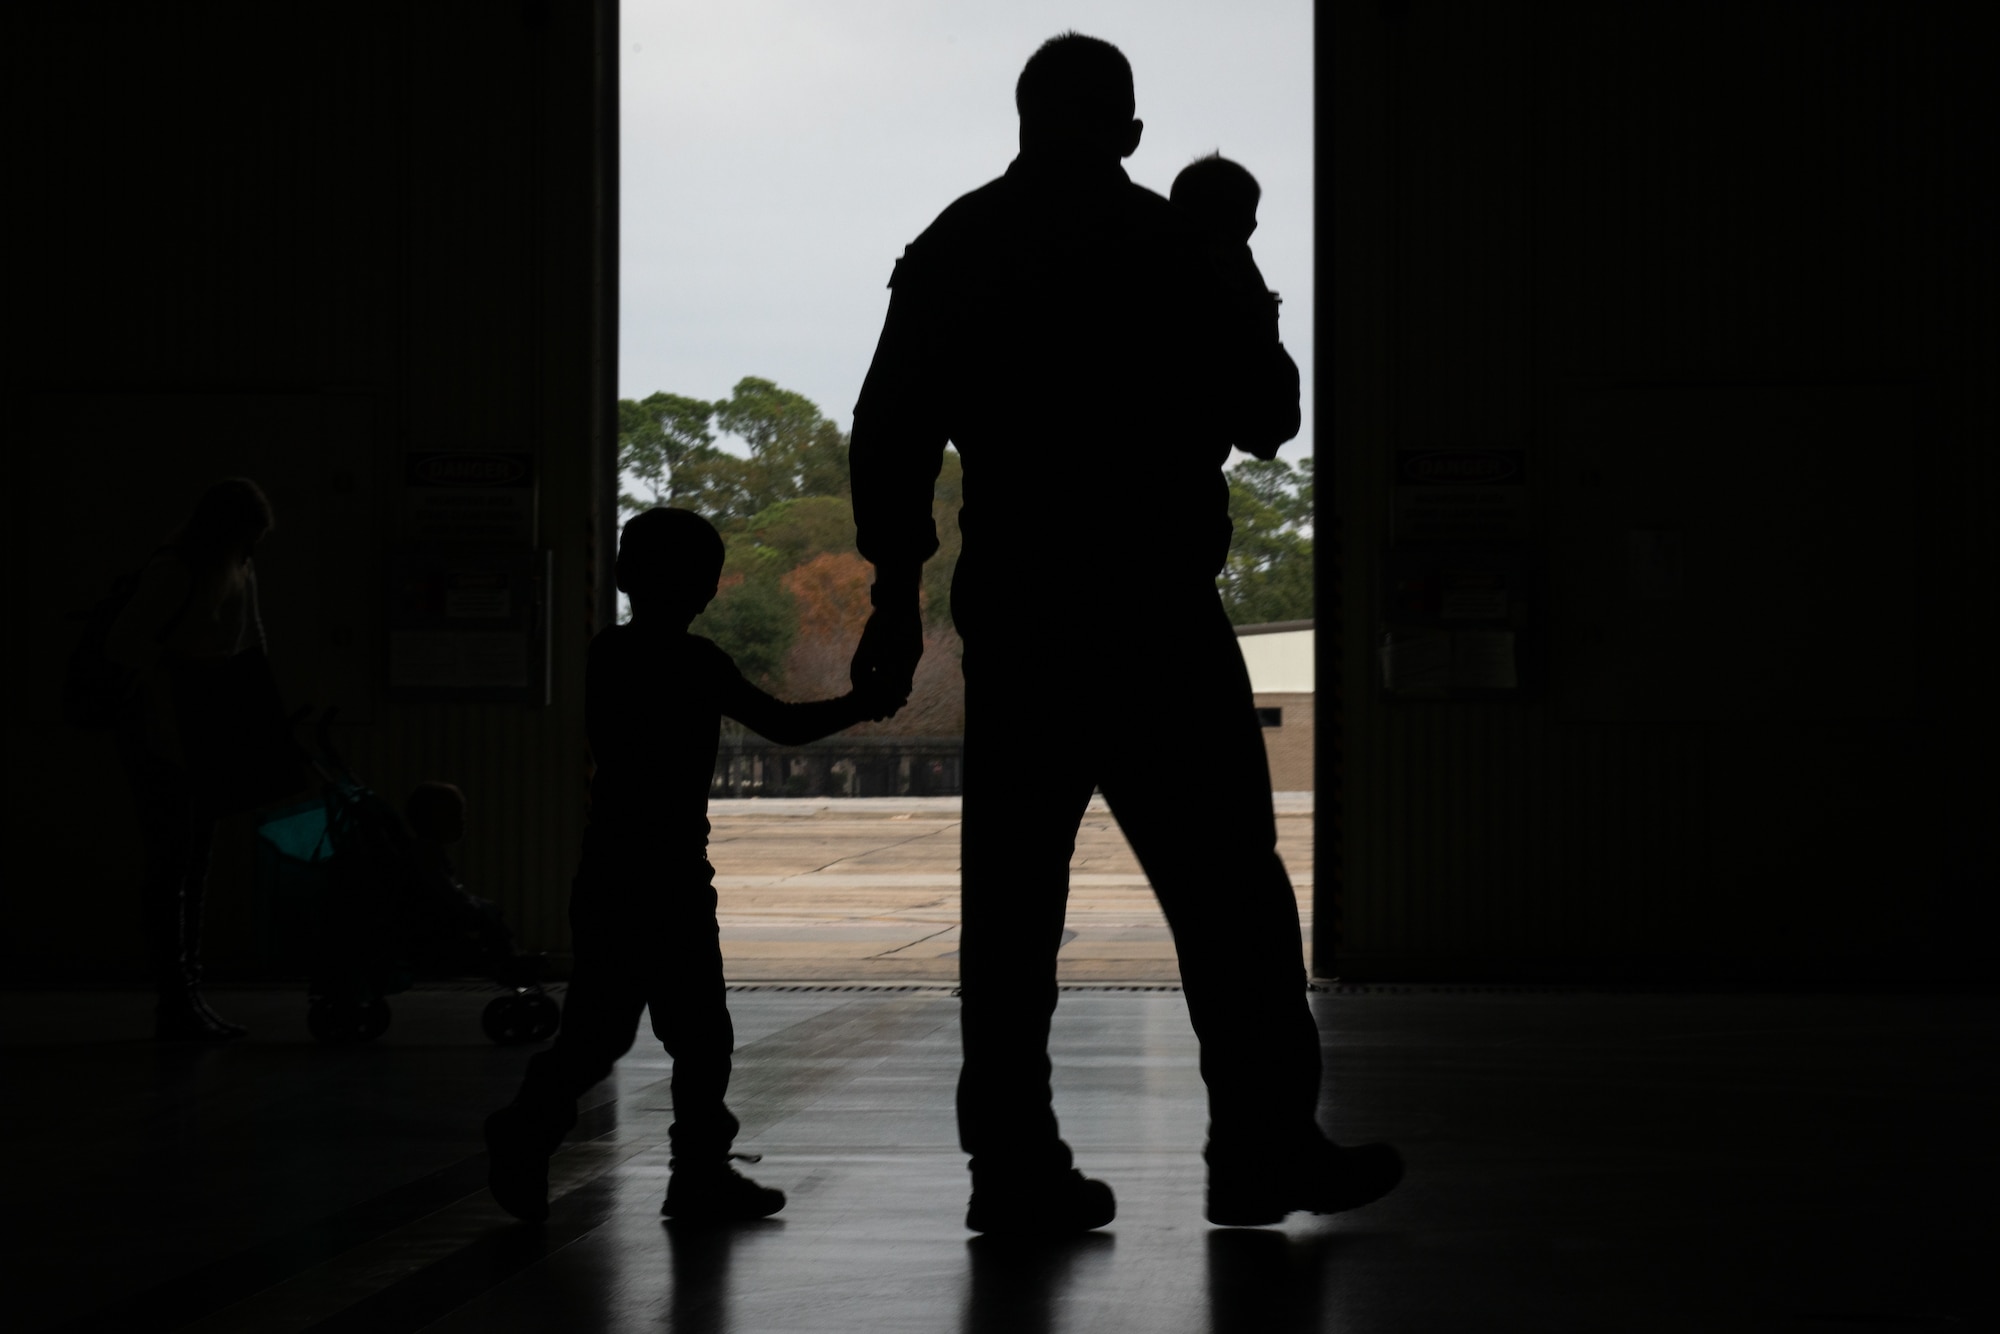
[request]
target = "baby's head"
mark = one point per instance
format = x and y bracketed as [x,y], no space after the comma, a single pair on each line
[1219,195]
[670,559]
[436,812]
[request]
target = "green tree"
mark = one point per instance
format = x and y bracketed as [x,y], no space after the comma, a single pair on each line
[663,439]
[806,527]
[752,618]
[794,449]
[726,490]
[1269,573]
[784,509]
[667,449]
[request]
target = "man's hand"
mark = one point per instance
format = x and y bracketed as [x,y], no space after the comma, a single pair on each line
[885,662]
[876,702]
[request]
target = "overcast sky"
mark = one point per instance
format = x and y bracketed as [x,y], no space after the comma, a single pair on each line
[779,154]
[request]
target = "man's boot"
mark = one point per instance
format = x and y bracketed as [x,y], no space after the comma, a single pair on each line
[1258,1187]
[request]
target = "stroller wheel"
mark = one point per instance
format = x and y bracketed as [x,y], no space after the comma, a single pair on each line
[339,1022]
[525,1017]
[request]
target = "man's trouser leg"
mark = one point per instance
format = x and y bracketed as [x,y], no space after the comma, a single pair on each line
[1186,775]
[1025,792]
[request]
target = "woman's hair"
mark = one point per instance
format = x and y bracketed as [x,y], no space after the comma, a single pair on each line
[232,514]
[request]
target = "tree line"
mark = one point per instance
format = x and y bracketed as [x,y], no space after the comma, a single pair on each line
[794,592]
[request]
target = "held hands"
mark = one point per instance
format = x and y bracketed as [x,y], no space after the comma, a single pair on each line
[875,702]
[885,662]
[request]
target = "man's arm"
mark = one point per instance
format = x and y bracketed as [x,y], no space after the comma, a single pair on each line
[897,447]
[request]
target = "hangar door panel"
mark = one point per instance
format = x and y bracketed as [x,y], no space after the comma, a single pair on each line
[1734,554]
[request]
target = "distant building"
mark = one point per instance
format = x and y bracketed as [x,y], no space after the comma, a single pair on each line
[1280,658]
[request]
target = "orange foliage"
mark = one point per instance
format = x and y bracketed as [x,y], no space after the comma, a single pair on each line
[830,592]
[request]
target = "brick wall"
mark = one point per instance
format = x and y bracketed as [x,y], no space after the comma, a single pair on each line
[1290,744]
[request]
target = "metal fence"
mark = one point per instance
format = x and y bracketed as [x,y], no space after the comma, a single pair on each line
[873,766]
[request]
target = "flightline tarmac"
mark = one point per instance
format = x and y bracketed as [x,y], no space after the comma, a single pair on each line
[866,890]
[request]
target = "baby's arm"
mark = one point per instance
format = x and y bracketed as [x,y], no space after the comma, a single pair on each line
[1266,398]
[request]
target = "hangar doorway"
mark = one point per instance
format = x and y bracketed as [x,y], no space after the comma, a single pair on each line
[754,255]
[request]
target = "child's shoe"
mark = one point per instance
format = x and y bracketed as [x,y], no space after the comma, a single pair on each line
[715,1192]
[518,1148]
[1050,1205]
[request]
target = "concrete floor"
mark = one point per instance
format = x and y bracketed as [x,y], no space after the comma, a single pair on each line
[822,890]
[1578,1162]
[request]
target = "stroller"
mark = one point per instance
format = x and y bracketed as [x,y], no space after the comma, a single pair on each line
[377,923]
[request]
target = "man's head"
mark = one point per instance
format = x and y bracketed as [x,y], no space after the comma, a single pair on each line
[1075,98]
[1220,195]
[436,812]
[670,559]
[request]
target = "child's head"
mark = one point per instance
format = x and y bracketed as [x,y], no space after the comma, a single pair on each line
[436,812]
[1219,195]
[670,559]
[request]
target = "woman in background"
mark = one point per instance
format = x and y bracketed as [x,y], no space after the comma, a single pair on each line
[195,607]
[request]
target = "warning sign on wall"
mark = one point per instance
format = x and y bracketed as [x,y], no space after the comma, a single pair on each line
[469,498]
[470,625]
[1461,495]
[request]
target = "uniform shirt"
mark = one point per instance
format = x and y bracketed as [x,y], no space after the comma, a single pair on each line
[1070,333]
[653,706]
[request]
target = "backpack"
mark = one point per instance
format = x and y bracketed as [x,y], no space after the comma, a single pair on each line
[97,692]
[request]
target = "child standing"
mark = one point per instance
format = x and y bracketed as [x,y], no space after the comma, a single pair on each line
[642,908]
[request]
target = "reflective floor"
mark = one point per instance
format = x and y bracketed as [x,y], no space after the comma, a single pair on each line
[1578,1162]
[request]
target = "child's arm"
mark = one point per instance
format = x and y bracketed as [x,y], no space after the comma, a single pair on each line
[1266,398]
[795,724]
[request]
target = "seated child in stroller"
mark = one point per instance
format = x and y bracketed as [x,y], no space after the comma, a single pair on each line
[452,932]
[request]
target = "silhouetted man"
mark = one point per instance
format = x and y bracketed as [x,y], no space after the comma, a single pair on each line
[1070,333]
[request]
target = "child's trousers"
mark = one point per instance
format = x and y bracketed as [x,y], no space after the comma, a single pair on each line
[644,936]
